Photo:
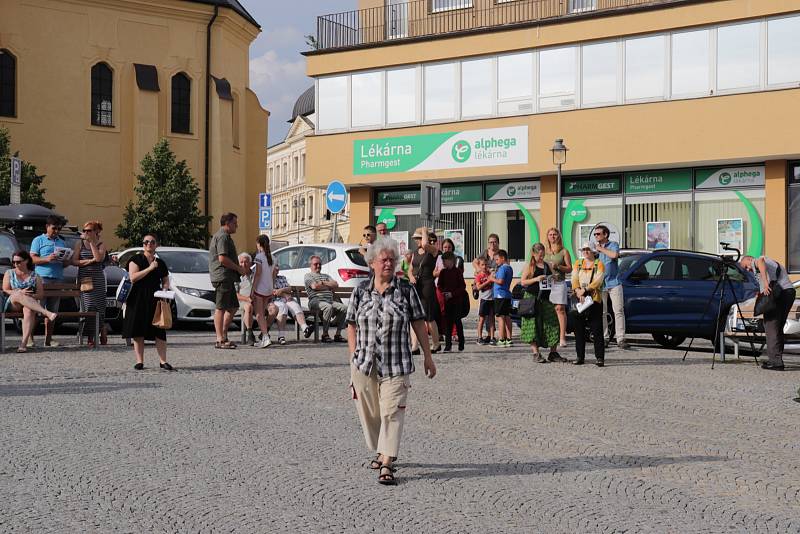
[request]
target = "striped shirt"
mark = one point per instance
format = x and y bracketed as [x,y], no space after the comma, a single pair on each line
[323,295]
[382,324]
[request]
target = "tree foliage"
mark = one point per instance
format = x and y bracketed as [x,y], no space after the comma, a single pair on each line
[31,190]
[166,203]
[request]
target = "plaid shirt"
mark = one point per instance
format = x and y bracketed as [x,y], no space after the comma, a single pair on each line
[382,324]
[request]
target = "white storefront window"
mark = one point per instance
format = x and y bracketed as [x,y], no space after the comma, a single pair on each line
[599,72]
[367,104]
[332,112]
[738,54]
[446,5]
[440,92]
[477,88]
[557,78]
[783,50]
[690,63]
[644,68]
[401,96]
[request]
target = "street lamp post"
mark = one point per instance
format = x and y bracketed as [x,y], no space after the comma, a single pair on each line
[559,151]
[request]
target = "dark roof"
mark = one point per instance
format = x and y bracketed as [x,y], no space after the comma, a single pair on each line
[234,5]
[304,105]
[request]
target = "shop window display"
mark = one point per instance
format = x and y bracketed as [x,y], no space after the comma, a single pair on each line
[793,218]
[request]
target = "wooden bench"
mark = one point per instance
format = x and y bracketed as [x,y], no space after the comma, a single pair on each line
[299,292]
[51,291]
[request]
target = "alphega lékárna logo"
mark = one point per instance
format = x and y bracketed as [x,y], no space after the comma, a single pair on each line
[461,151]
[725,178]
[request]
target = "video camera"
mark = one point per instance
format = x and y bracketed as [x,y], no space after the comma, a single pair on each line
[728,248]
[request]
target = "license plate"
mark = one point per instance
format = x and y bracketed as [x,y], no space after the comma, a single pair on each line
[515,303]
[111,303]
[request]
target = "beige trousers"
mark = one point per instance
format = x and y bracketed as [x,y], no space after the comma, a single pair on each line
[618,302]
[381,406]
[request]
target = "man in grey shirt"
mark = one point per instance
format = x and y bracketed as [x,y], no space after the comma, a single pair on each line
[319,288]
[225,270]
[767,271]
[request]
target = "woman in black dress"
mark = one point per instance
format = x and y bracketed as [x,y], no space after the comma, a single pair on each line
[148,275]
[423,264]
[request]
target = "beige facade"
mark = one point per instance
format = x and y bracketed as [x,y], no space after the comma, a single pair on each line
[299,212]
[725,122]
[91,168]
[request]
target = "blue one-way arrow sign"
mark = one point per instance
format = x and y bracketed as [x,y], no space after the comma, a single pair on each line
[336,197]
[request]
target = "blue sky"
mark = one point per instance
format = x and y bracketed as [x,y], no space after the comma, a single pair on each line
[277,70]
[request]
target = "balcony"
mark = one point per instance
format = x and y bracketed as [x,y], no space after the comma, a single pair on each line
[419,19]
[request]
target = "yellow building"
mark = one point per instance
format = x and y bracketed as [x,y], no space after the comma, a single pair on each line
[680,118]
[88,87]
[299,212]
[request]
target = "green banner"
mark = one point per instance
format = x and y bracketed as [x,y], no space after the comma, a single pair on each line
[730,177]
[448,150]
[607,185]
[388,218]
[658,181]
[451,194]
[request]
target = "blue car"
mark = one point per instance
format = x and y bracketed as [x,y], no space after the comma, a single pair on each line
[667,294]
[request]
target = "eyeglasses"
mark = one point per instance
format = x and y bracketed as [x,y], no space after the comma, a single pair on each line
[149,242]
[494,242]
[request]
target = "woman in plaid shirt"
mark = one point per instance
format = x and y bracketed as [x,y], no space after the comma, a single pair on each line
[380,316]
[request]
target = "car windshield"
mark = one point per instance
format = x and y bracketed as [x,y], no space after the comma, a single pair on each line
[185,261]
[356,257]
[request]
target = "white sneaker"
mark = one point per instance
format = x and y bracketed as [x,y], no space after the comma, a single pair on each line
[264,343]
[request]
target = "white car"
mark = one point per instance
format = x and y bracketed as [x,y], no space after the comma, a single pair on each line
[342,262]
[189,278]
[735,331]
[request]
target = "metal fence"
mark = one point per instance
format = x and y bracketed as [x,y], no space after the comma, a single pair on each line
[421,18]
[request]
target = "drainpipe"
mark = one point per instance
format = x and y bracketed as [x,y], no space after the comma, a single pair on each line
[208,108]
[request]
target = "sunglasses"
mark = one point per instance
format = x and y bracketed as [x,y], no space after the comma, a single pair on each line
[366,235]
[598,234]
[17,262]
[149,242]
[316,264]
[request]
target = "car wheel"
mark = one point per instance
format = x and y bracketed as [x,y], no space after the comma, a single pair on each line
[669,341]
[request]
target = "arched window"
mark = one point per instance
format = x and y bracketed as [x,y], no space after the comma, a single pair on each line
[8,84]
[102,95]
[181,104]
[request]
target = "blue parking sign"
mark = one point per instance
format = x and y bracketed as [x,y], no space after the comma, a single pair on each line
[265,219]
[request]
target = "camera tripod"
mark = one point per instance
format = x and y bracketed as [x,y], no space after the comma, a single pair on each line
[724,283]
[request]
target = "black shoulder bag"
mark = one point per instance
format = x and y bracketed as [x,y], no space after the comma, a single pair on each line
[767,304]
[529,305]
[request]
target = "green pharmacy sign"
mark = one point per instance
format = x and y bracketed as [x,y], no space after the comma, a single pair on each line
[658,181]
[730,177]
[448,150]
[607,185]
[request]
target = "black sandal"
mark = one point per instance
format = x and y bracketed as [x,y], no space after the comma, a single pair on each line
[387,479]
[376,463]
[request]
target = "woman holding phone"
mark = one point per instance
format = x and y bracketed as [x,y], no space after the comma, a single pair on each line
[89,255]
[23,290]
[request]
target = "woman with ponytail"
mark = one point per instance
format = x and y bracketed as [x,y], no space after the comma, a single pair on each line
[263,287]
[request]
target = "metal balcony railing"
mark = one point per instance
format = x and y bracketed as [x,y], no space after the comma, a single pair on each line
[424,18]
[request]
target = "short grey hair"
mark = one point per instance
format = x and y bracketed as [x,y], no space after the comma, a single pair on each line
[246,255]
[381,245]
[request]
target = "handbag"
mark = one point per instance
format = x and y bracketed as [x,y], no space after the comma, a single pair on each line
[465,304]
[86,284]
[162,318]
[527,307]
[124,289]
[767,304]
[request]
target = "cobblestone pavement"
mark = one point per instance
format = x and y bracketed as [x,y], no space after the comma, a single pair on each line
[268,441]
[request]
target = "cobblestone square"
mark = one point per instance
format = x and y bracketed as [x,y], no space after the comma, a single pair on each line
[268,441]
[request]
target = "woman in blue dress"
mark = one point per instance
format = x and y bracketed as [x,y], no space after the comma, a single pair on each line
[23,290]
